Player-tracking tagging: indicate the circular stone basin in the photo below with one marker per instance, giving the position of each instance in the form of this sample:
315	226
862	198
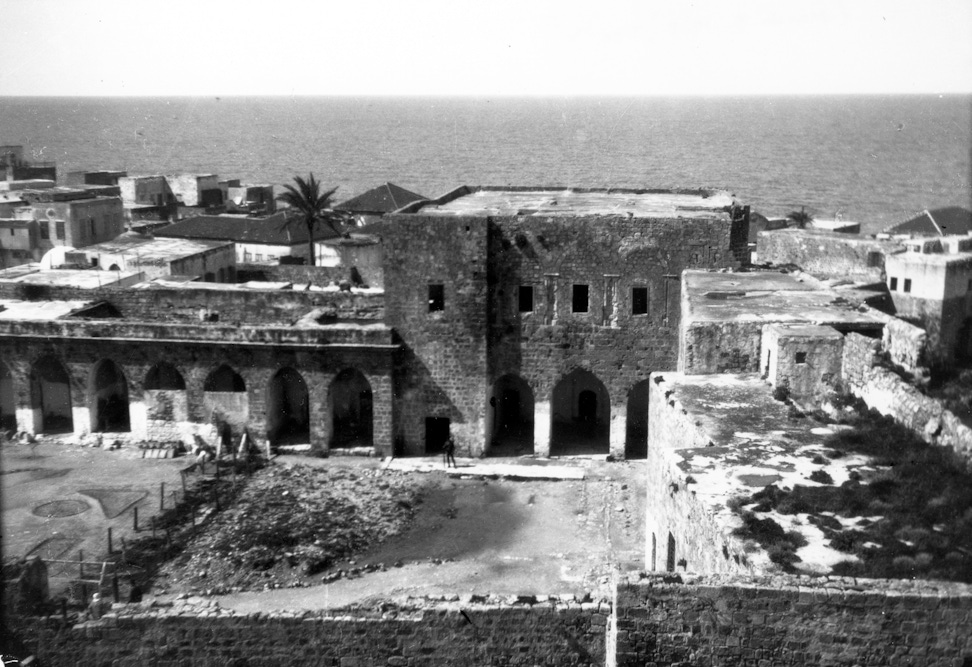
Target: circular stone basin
759	480
57	509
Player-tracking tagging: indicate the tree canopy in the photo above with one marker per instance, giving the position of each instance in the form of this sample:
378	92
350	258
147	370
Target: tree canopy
312	208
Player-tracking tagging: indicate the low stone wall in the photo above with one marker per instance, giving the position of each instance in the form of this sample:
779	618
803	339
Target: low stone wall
889	394
826	254
463	633
905	344
792	621
299	274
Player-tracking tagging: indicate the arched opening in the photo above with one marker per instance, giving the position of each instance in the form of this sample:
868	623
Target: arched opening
114	267
226	402
221	275
580	415
510	412
351	410
165	394
224	380
165	377
108	398
288	414
50	396
636	428
209	277
8	406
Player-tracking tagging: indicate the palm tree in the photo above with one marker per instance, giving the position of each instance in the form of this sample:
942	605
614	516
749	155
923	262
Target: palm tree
801	217
312	208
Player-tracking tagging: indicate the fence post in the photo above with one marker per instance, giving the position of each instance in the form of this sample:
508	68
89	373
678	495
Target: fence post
110	545
135	519
114	585
161	496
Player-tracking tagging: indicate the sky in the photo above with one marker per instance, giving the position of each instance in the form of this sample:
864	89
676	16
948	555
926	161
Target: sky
484	48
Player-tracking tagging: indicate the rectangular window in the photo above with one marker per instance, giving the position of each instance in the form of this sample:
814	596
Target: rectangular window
579	299
907	285
525	299
12	232
639	300
436	298
59	229
894	284
45	231
801	357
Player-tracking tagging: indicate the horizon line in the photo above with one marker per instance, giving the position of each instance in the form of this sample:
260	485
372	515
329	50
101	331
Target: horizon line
484	95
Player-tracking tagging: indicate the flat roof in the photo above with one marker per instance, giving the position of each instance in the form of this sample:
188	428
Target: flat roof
39	310
770	296
550	201
754	442
81	278
151	249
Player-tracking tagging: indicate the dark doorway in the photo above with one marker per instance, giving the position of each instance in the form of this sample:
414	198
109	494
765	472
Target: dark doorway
109	399
670	561
636	426
587	407
580	415
8	407
436	434
511	408
288	415
352	410
50	396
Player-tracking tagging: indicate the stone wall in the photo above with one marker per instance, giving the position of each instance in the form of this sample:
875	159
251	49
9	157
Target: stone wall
905	344
720	347
298	274
458	634
681	532
792	621
886	392
826	254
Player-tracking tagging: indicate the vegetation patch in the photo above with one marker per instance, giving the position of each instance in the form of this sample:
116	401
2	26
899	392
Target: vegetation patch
954	389
922	494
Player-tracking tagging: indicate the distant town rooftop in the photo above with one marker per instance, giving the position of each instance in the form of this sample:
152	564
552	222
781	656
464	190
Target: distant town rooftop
151	249
544	201
39	310
34	274
769	296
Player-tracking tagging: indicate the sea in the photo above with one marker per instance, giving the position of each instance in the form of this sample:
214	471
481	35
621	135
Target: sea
873	159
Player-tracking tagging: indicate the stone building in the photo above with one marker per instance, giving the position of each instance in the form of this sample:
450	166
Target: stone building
931	284
530	318
515	320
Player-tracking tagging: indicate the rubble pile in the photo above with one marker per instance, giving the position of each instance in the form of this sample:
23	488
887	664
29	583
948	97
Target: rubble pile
291	522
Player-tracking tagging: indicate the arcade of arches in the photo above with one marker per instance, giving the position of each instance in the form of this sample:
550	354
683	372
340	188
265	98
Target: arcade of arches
578	417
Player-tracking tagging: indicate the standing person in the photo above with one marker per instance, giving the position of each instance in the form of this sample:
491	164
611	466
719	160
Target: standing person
450	451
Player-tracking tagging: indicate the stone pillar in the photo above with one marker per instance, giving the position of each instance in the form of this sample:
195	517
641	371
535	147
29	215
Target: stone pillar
541	428
381	406
138	419
619	432
28	419
81	415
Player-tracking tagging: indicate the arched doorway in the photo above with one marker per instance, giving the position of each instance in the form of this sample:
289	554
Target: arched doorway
580	415
351	410
226	401
8	405
50	396
108	398
510	412
636	431
288	413
165	394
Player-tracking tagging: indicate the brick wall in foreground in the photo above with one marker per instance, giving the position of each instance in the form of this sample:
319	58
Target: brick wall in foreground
784	621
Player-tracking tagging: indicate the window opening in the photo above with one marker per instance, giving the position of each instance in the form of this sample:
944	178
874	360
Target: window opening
801	357
894	284
639	300
436	298
579	299
525	299
907	285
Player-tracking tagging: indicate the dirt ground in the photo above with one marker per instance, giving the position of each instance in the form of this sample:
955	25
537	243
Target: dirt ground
469	535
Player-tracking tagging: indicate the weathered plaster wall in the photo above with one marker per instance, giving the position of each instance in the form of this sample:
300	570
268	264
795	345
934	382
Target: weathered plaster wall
804	359
720	347
945	321
826	254
682	532
430	634
797	621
